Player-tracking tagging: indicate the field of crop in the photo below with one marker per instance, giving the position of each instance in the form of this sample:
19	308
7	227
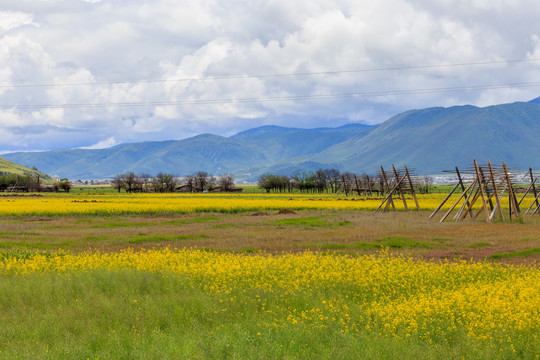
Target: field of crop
108	204
199	276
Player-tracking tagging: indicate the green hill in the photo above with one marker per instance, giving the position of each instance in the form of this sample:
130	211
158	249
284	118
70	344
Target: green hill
10	168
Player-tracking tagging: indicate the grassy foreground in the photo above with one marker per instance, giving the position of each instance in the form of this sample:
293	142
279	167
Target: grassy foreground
91	276
160	304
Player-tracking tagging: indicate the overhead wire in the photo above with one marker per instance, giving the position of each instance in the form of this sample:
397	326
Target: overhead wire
276	98
273	99
229	77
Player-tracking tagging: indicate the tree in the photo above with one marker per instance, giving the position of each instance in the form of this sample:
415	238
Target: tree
226	182
65	185
131	182
265	182
118	182
425	184
164	183
321	181
143	181
304	181
190	182
347	182
270	182
333	177
202	181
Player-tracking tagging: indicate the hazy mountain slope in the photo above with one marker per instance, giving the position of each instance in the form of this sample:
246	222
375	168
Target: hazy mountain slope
279	143
435	139
204	152
259	147
429	140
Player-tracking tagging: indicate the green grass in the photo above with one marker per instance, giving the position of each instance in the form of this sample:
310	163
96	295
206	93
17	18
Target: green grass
141	239
128	314
399	242
119	224
515	254
196	220
308	222
479	245
353	245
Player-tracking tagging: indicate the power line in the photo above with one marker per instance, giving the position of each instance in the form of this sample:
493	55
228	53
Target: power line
273	99
230	77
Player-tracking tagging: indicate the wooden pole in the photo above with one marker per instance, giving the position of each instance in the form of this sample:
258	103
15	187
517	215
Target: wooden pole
534	188
387	187
357	186
482	191
512	199
474	192
527	191
412	189
476	197
400	191
444	201
389	196
462	185
457	201
498	204
530	207
486	186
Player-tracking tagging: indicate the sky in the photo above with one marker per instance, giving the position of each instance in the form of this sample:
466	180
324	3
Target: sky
96	73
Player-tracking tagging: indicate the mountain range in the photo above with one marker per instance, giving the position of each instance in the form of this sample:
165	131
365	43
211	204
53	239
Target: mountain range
429	140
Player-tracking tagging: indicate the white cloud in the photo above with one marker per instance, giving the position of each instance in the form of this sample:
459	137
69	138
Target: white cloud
13	19
103	144
108	47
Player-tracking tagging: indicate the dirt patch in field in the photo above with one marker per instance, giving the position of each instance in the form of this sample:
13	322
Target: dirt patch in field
260	214
21	195
286	212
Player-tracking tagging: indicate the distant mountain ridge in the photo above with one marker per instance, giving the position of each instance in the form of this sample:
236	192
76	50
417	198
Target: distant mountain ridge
429	140
259	147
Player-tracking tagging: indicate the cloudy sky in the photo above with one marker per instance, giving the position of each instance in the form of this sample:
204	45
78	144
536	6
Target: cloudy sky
97	73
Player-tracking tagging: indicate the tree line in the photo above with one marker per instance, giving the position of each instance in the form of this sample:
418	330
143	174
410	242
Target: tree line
332	181
200	181
30	183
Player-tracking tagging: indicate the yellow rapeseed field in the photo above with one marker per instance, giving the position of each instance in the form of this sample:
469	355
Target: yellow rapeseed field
391	295
66	204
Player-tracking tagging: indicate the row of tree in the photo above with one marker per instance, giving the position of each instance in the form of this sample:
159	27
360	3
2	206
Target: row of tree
29	183
333	181
162	183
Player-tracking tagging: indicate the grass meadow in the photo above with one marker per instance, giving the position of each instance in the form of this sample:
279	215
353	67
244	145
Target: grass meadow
109	276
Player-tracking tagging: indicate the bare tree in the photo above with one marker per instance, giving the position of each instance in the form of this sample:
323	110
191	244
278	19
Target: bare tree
426	183
164	183
347	182
190	182
226	182
333	177
321	181
118	182
144	182
131	182
203	181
